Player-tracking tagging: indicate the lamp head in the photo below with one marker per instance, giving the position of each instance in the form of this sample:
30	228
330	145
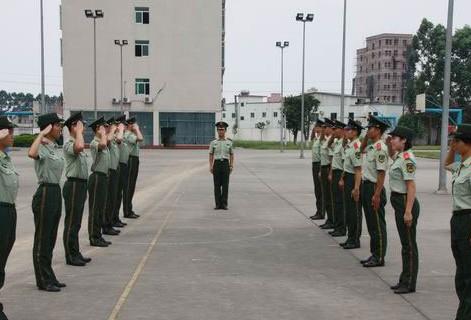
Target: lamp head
300	17
310	17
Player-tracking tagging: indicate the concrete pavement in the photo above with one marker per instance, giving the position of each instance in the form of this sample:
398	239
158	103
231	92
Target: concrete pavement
262	259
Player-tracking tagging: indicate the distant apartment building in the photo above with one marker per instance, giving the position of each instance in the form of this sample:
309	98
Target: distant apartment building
173	64
381	68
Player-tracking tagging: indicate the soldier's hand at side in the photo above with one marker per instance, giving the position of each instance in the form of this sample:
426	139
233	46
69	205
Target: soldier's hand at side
341	184
375	202
231	168
408	219
356	195
330	177
211	169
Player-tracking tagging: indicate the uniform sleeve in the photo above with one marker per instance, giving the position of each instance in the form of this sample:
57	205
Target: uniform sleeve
408	170
43	152
211	147
231	148
381	158
453	167
356	158
131	138
69	149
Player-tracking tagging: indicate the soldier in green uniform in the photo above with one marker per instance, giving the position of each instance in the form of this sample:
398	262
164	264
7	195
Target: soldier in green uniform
221	164
8	193
122	172
133	137
374	200
461	219
326	161
405	204
336	173
316	135
75	189
351	181
98	183
47	201
115	137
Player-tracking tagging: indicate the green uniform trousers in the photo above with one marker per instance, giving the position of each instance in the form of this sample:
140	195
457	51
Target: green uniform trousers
409	251
353	211
461	247
327	194
97	195
316	169
122	186
128	194
75	195
375	220
47	208
7	235
221	173
111	203
338	200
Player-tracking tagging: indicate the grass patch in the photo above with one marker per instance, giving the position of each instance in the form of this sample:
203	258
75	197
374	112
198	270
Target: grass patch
426	147
430	154
264	145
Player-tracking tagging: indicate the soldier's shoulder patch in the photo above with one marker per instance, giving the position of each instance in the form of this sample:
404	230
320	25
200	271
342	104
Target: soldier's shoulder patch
356	145
410	167
381	158
406	155
378	146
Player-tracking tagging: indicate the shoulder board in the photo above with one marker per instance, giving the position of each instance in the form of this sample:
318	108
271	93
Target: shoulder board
378	146
406	155
355	145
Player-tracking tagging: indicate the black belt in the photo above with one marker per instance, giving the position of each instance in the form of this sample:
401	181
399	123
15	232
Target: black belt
100	173
337	170
7	205
398	194
349	173
134	157
113	169
368	182
47	184
326	165
222	160
72	179
461	212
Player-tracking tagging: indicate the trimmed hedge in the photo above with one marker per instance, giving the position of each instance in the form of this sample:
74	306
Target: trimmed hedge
24	140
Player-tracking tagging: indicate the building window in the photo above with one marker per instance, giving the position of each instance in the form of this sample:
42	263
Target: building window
375	114
142	48
380	43
393	98
242	104
223	115
373	47
252	115
395	53
142	15
143	86
264	114
396	42
233	116
333	116
351	115
275	114
242	118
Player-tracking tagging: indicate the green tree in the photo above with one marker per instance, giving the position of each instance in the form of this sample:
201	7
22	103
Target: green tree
292	112
413	122
261	126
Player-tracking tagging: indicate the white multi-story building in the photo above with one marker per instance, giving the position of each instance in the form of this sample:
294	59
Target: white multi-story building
172	66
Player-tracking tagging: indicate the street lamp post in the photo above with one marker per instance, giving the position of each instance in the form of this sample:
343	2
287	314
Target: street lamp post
97	14
446	99
303	18
121	44
43	93
282	46
342	100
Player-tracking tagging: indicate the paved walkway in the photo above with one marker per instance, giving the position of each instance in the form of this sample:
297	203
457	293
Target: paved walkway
262	259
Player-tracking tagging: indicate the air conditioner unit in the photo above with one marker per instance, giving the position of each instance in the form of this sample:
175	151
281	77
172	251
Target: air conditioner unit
115	101
148	100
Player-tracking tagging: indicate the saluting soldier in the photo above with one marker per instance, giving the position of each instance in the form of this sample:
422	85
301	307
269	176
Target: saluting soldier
98	183
336	173
461	219
373	192
133	137
352	184
122	172
326	161
316	135
115	137
75	189
8	192
405	204
221	164
47	201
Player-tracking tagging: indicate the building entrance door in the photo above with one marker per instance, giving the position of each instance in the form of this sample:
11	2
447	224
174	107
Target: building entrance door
168	136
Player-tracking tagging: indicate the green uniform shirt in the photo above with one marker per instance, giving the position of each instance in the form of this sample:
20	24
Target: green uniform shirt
8	179
376	159
221	149
316	150
123	152
101	158
461	184
76	165
325	152
114	155
402	170
337	154
133	144
50	163
352	156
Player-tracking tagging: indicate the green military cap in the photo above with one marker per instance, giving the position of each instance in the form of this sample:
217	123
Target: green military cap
131	120
76	117
121	119
375	122
111	121
463	132
222	124
97	123
354	125
320	123
339	124
47	119
5	123
403	132
329	123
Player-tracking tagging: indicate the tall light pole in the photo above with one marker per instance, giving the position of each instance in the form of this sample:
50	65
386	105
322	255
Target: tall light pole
43	93
282	46
446	99
97	14
303	18
121	44
342	99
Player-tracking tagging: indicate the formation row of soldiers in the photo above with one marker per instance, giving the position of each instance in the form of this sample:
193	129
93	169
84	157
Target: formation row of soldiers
114	171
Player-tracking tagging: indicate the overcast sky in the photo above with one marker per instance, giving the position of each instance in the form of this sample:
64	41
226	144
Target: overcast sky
253	27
